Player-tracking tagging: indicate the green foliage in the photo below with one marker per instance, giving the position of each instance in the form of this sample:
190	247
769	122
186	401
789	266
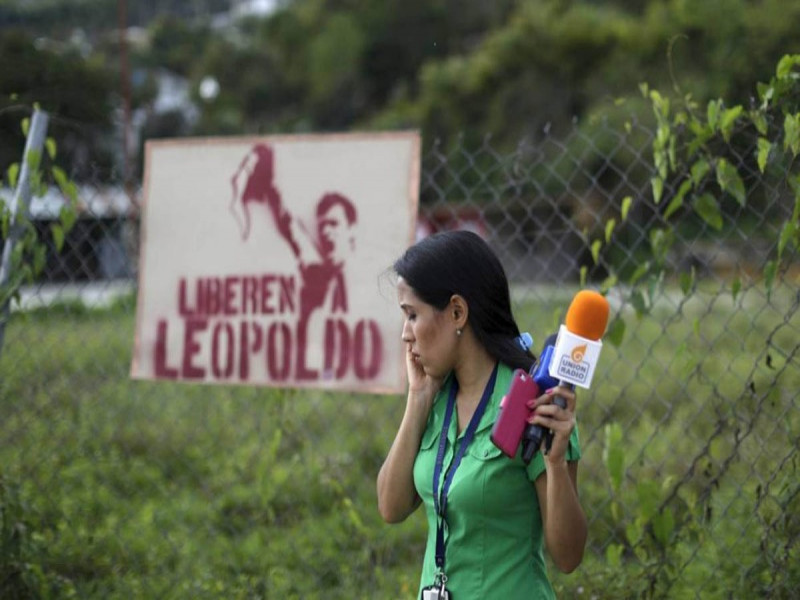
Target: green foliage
64	83
443	68
28	256
688	149
128	488
586	52
673	492
699	157
665	520
173	44
172	490
22	551
137	489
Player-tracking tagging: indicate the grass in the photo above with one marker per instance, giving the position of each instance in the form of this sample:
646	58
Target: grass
131	489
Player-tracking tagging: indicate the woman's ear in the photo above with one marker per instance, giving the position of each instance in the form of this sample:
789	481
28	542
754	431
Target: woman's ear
459	311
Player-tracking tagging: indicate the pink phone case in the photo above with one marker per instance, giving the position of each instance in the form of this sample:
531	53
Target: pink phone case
514	412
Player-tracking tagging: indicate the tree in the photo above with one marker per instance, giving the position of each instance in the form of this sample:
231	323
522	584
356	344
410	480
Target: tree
77	91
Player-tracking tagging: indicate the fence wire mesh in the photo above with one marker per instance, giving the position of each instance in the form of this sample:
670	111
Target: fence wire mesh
112	488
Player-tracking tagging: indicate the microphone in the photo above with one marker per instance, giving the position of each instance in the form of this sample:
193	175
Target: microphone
569	358
578	346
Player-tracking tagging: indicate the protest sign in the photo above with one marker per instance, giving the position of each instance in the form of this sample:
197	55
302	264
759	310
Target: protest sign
261	260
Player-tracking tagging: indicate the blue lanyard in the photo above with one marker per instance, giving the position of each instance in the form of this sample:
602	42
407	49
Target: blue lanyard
440	498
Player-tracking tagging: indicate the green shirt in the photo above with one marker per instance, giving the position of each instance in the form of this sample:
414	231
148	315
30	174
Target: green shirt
494	532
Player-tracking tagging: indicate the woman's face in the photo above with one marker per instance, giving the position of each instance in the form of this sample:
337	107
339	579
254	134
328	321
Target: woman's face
427	331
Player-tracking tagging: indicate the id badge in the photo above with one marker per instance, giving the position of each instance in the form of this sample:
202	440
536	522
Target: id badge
435	592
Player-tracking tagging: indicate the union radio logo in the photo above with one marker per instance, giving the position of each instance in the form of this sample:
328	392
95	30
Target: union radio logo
573	366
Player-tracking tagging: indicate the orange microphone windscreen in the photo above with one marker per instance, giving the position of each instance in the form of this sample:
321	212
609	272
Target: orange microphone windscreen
588	315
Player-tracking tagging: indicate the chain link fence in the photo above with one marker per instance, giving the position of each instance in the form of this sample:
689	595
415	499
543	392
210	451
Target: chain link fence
115	489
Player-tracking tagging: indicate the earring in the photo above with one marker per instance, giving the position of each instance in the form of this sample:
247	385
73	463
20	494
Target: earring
458	332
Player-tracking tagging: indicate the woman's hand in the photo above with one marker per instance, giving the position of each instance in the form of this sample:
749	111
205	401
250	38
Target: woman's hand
561	421
422	387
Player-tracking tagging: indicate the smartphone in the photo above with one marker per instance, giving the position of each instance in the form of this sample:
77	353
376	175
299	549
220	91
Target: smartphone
514	413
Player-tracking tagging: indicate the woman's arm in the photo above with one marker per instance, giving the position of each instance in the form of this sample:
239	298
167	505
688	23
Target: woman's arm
562	515
397	496
563	519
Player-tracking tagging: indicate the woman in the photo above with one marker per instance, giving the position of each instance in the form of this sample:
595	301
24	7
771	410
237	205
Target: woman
462	345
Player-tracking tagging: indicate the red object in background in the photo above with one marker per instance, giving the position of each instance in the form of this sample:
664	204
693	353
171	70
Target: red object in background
451	219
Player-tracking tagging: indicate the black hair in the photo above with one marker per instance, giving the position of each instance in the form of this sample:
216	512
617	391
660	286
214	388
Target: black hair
330	200
461	262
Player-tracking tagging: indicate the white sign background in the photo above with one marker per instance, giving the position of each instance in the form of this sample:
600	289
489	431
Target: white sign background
221	277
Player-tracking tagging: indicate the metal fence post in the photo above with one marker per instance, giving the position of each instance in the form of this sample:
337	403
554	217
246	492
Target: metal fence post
34	143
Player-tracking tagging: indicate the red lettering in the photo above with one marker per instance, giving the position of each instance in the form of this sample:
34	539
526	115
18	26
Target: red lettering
183	309
202	294
266	292
287	294
229	304
191	347
278	365
224	349
245	349
249	291
336	331
236	295
368	360
213	299
161	368
225	370
303	373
